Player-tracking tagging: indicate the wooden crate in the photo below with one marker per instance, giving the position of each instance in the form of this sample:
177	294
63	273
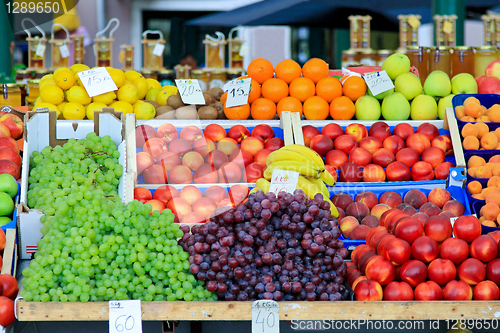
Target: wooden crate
10	253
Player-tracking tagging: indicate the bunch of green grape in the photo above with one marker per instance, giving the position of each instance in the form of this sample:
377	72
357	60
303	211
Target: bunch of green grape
95	248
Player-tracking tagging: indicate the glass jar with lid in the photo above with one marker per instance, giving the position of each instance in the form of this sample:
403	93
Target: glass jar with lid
419	57
483	57
462	60
233	74
202	77
349	58
382	55
368	57
217	79
40	73
166	77
148	74
440	60
10	94
23	76
33	91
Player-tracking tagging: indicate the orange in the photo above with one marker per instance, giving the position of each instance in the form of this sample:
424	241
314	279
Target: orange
223	98
354	87
274	89
315	69
302	88
315	108
263	109
288	70
289	103
240	112
329	88
260	70
342	108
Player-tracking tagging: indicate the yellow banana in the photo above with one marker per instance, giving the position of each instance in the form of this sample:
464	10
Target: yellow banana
263	184
308	152
327	177
268	173
320	185
255	189
309	188
289	155
303	168
333	210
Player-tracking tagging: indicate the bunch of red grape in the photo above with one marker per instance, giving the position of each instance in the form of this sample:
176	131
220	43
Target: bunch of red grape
281	247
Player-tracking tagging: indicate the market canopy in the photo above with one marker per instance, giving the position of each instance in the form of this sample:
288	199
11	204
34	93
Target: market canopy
324	13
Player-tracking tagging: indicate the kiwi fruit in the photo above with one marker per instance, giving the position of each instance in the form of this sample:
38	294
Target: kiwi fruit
175	101
186	112
156	105
208	101
219	106
211	95
164	109
216	92
207	112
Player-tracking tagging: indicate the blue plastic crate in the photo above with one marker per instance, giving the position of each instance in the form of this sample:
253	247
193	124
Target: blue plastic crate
13	223
476	208
486	100
486	154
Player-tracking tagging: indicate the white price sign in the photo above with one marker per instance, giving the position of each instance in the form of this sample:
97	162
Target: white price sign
283	180
158	50
97	81
40	50
265	317
63	49
125	316
190	91
378	82
237	92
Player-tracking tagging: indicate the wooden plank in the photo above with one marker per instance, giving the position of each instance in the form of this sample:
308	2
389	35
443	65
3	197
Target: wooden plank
297	129
455	138
9	253
236	311
286	125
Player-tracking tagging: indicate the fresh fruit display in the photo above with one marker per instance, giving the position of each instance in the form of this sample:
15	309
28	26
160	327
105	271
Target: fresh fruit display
8	293
189	205
473	111
478	136
489	83
477	167
11	130
64	92
206	156
377	155
8	192
283	247
407	259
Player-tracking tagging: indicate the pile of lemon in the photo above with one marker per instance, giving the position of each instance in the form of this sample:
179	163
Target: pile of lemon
64	93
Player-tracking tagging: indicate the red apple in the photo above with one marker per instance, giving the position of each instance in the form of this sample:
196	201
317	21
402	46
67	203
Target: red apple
345	143
443	170
190	193
179	146
238	133
373	173
368	290
180	174
274	144
381	133
486	291
467	228
371	144
206	174
441	271
11	155
214	132
191	133
398	171
429	130
413	272
380	270
428	291
332	131
419	142
155	174
263	132
350	172
336	158
230	172
253	172
144	161
252	145
383	157
309	132
155	147
357	131
4	131
408	156
422	171
7	311
142	194
143	133
398	291
472	271
10	143
425	249
167	132
394	143
322	144
403	130
165	193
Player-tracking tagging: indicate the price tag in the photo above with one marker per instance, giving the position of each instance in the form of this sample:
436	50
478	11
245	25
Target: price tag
158	50
414	22
237	92
97	81
447	27
244	49
63	49
378	82
283	180
40	50
190	91
125	316
265	317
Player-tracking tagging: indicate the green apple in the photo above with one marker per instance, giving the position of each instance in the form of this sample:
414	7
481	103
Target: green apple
437	84
395	106
424	107
8	185
396	64
367	108
6	204
443	104
464	83
409	85
382	94
4	220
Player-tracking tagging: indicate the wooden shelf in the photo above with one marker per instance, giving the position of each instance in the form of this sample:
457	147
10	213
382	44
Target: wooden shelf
238	311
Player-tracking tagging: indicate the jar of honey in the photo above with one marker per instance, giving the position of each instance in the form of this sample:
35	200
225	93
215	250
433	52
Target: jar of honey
419	57
148	74
217	79
202	77
440	60
10	94
462	60
382	55
33	92
23	76
233	74
483	57
349	58
368	58
166	77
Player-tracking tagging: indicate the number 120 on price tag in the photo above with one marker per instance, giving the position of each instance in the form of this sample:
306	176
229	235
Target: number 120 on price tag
125	316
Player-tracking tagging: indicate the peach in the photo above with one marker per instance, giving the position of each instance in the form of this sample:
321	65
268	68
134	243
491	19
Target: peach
373	173
430	209
360	156
368	290
229	172
165	193
180	147
422	217
155	174
408	156
371	221
415	198
444	143
383	157
252	145
457	291
394	144
406	208
439	196
434	156
347	225
455	207
419	142
368	198
156	205
203	146
398	171
253	172
143	133
179	207
336	158
216	158
168	160
216	193
191	133
155	147
357	210
379	209
180	174
144	161
429	130
192	160
190	193
260	157
472	271
371	144
342	200
192	217
359	232
403	130
309	132
227	146
345	143
357	131
205	207
486	291
391	198
214	132
484	248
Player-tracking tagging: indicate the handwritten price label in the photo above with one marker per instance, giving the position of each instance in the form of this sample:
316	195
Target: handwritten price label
237	92
378	82
40	50
125	316
283	180
63	49
265	317
97	81
190	91
158	50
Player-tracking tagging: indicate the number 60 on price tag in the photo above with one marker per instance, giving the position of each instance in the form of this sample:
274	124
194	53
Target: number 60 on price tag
125	316
265	317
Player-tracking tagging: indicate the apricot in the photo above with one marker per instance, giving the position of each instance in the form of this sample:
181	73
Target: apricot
488	223
489	190
489	141
490	211
476	161
494	113
498	220
471	100
493	181
472	171
468	119
497	133
473	110
498	145
483	172
474	187
478	196
460	111
483	129
493	198
470	130
471	143
494	159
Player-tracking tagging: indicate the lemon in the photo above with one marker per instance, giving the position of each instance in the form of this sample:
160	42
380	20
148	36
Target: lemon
172	89
141	85
117	75
121	106
144	111
79	68
47	77
96	106
132	75
73	111
163	95
52	94
61	107
49	106
47	82
38	99
106	98
128	93
64	78
79	95
152	93
152	83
